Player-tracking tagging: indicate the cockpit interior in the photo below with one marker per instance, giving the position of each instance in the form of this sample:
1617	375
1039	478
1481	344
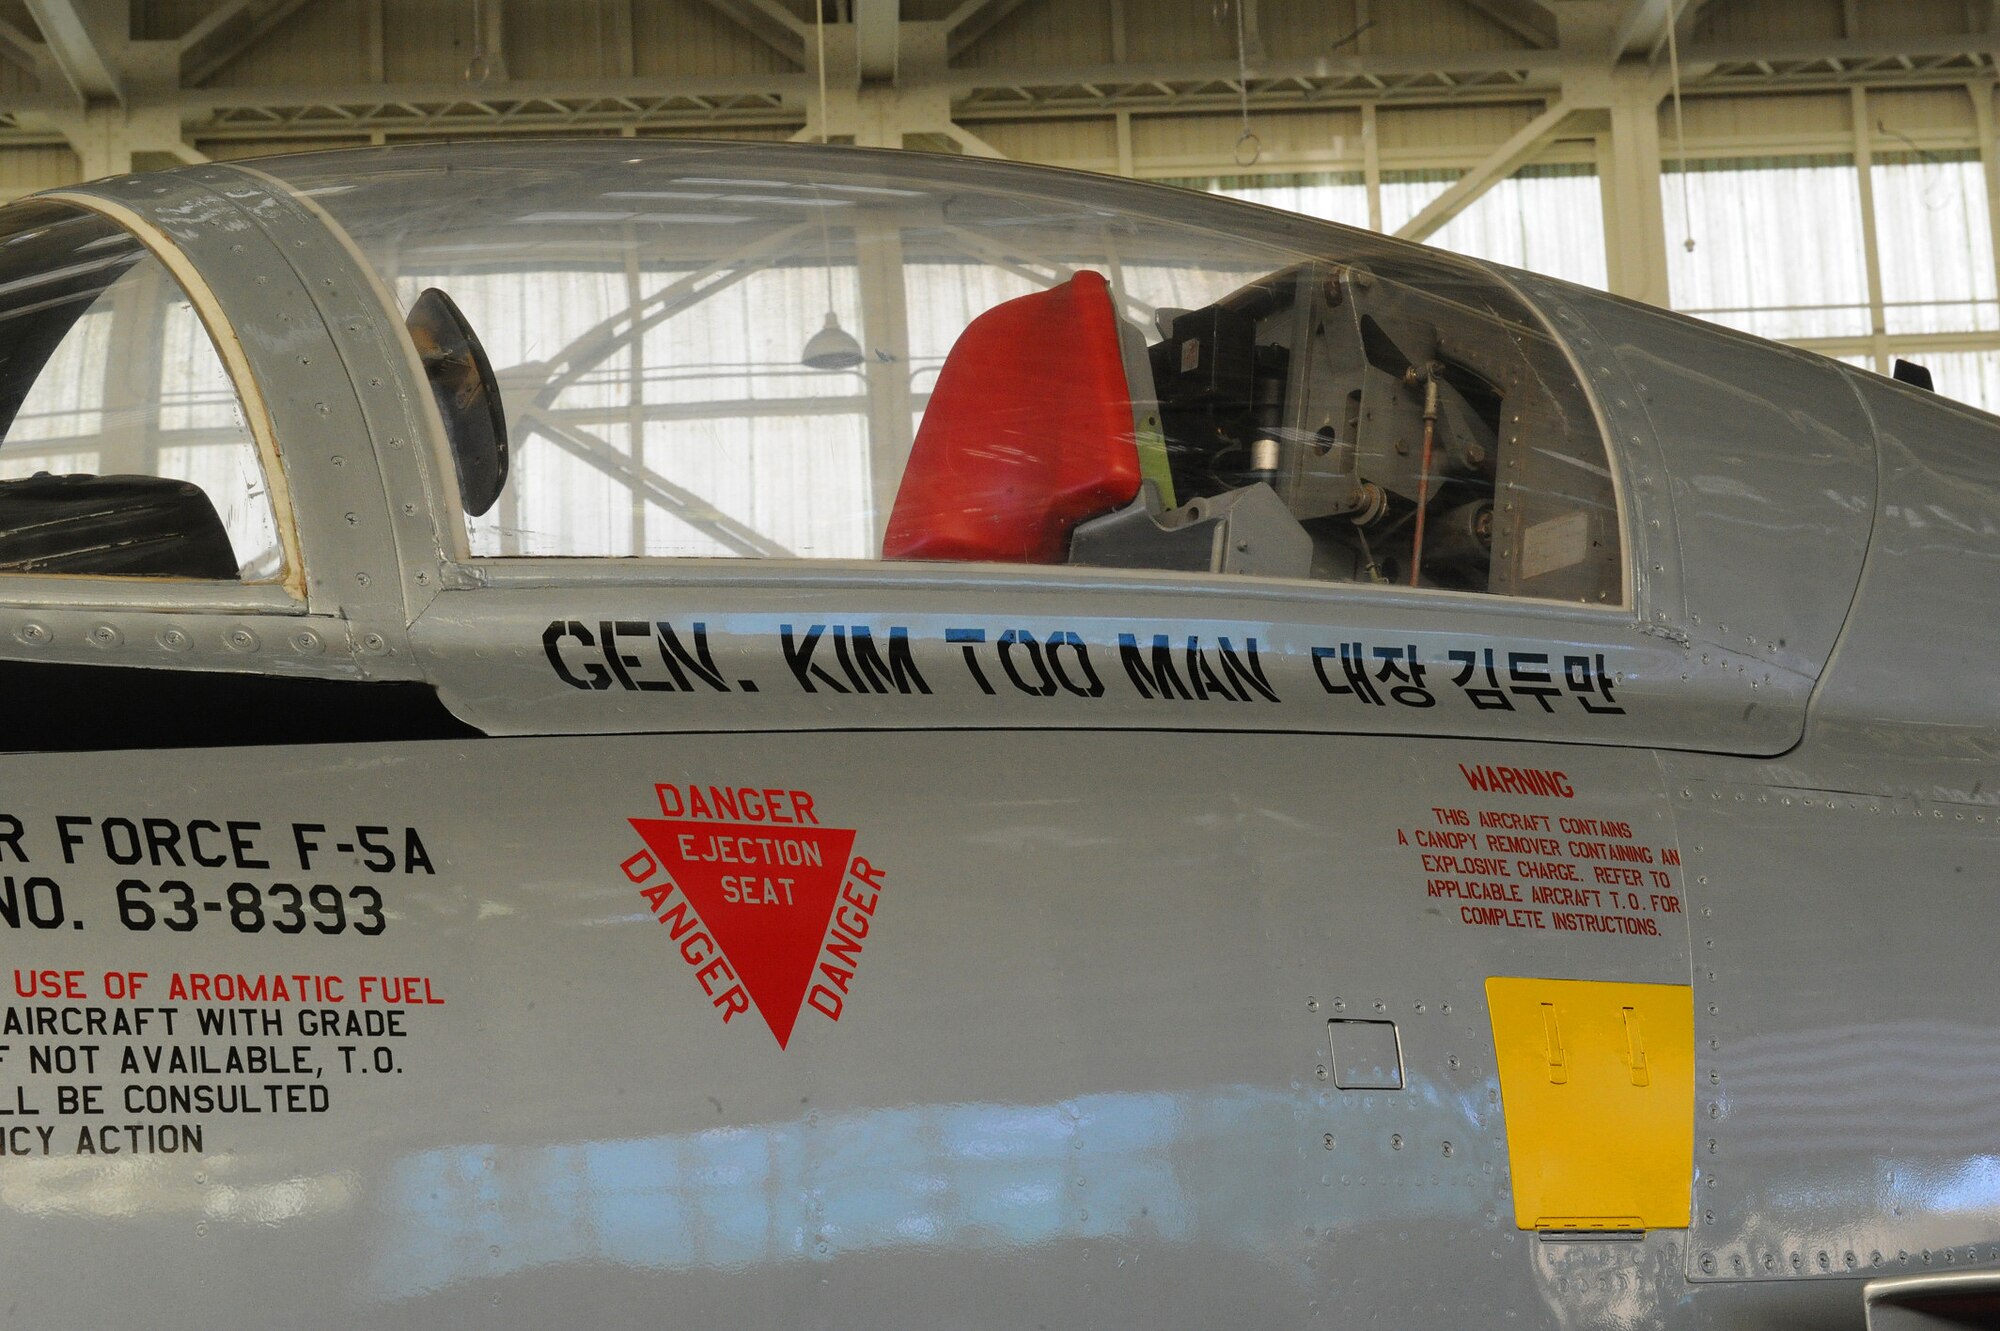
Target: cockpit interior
1052	381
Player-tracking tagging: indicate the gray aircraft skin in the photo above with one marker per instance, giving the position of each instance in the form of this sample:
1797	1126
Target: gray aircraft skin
415	933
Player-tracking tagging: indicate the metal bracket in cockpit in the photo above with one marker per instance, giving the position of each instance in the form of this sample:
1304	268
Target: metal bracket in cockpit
1247	530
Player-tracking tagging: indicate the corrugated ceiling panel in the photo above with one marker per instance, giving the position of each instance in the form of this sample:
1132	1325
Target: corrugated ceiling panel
1167	140
16	80
689	38
1293	29
1760	118
1434	25
566	38
25	170
1917	111
428	41
320	43
738	134
424	40
1449	131
1092	144
223	150
1912	16
1291	139
432	41
1052	32
1735	22
1180	30
160	20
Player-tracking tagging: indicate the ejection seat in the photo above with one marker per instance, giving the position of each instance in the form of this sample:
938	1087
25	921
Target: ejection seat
1033	451
122	526
1028	432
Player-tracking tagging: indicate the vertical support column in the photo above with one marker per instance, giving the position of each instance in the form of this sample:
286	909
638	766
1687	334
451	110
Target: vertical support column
1371	148
1989	157
1371	145
1864	168
130	430
101	137
879	119
105	134
1371	165
375	38
618	14
490	41
885	327
831	111
1607	196
1635	228
635	392
1123	119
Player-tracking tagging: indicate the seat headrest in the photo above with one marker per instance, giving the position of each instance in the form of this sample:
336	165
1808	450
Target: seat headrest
1028	433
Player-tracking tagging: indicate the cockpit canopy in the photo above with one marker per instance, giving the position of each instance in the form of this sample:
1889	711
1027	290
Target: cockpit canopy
804	354
826	355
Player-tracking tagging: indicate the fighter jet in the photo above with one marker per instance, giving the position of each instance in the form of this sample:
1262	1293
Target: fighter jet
626	733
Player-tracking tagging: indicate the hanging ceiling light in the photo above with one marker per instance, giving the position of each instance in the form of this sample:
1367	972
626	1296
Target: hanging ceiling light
832	347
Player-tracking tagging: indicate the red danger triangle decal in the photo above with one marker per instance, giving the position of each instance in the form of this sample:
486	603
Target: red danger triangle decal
765	893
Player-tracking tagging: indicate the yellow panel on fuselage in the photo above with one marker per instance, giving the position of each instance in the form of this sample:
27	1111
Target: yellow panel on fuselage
1597	1079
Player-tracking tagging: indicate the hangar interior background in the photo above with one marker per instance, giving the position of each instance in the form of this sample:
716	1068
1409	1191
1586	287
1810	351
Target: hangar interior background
1819	171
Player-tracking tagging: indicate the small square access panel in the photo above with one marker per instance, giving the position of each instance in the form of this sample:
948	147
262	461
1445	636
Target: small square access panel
1366	1055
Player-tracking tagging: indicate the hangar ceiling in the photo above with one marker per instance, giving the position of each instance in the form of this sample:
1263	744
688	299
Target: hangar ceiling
178	72
1457	95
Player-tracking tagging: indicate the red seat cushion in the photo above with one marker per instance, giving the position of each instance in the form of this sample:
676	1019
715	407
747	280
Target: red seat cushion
1028	432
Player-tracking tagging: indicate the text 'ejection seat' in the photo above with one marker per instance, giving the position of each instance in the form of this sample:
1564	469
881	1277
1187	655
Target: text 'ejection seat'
1028	433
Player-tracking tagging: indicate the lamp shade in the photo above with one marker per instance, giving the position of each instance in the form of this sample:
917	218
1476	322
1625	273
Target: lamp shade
832	348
